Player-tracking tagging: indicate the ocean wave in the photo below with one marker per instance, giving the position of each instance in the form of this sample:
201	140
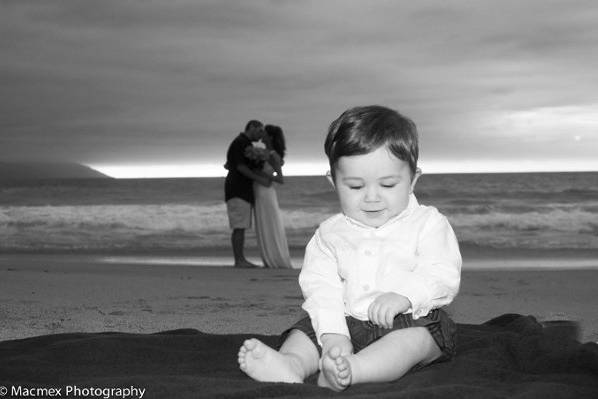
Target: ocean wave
132	226
560	219
492	207
193	225
554	228
142	217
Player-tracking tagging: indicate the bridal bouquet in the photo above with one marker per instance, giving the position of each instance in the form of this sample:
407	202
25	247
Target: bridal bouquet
257	152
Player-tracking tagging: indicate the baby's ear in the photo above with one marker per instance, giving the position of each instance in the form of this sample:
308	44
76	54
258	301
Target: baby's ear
416	175
330	179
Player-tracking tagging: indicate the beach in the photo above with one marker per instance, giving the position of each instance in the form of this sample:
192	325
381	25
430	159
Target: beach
59	293
148	255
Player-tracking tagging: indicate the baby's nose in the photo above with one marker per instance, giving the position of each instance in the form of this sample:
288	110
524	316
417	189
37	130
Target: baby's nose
372	194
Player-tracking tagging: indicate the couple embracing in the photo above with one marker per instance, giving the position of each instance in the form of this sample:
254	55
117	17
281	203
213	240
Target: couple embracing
254	161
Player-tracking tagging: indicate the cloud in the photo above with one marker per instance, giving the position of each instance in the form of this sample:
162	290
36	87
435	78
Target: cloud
160	80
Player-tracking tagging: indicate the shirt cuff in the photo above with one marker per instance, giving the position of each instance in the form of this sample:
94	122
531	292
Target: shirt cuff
329	322
420	298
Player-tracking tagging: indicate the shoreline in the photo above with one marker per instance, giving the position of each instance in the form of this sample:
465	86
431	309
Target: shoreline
474	257
468	251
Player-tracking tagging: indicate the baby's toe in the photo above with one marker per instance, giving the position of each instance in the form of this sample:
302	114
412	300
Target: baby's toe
335	353
249	344
343	372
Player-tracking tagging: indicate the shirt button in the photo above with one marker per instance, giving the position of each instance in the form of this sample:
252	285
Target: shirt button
366	287
368	252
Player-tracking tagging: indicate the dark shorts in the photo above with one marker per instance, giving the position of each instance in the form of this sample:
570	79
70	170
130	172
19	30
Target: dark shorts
442	329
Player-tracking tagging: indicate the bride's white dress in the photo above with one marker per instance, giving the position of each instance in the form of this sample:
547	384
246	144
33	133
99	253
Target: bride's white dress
271	237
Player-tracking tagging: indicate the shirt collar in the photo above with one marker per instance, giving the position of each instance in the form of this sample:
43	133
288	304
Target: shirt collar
411	205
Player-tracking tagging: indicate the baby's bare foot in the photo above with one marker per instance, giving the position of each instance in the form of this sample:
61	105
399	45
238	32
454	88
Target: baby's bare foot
263	363
335	370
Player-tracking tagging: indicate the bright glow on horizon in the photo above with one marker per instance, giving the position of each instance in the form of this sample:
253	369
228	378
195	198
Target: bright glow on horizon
140	171
507	166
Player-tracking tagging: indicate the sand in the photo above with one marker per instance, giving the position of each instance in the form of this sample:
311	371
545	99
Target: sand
59	293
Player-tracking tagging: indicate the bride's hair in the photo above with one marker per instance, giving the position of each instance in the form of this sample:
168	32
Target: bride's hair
277	137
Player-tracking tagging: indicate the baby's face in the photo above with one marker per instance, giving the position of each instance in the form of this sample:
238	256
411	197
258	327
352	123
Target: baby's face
373	188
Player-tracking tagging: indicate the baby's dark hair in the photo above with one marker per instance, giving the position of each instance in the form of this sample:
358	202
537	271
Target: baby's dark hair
277	137
361	130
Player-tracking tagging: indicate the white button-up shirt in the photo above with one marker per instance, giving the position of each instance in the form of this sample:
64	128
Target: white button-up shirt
348	264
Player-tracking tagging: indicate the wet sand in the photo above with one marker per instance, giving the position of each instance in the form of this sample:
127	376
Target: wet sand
59	293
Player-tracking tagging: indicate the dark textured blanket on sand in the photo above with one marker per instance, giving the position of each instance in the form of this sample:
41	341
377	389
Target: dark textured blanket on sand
511	356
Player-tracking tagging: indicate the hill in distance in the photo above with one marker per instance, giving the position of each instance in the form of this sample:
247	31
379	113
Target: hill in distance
47	170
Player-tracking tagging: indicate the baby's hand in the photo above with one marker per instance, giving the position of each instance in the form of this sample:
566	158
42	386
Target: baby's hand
385	307
341	341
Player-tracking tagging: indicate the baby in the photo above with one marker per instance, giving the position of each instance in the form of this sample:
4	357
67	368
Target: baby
376	275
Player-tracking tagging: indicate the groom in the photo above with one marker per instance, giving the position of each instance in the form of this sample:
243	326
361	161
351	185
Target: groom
238	188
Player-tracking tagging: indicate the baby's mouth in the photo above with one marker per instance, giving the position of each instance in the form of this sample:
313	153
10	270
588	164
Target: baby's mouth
374	213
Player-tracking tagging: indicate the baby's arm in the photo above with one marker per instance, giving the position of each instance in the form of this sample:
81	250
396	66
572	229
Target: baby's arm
322	289
435	280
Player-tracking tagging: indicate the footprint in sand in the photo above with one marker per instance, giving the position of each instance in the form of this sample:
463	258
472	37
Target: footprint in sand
117	313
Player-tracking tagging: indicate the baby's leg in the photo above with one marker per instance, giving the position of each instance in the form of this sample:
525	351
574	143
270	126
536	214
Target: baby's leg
391	356
296	360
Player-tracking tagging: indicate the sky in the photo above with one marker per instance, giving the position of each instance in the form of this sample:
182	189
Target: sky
160	88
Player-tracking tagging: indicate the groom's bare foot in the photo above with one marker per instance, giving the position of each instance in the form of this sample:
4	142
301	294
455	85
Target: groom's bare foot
335	370
245	264
263	363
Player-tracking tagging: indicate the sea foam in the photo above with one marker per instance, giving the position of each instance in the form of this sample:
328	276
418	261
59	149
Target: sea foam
536	211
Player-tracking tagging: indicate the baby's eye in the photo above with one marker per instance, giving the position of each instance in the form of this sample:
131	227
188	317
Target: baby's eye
388	185
355	187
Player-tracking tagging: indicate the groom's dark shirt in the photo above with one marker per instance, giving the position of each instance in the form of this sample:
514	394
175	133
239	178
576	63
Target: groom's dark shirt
237	184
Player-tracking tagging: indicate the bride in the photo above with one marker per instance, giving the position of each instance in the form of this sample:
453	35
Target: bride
269	226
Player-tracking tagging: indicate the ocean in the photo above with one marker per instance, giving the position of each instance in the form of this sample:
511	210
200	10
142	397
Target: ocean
530	211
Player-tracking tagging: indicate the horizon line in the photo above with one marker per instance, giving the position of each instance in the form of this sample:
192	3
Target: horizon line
152	171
